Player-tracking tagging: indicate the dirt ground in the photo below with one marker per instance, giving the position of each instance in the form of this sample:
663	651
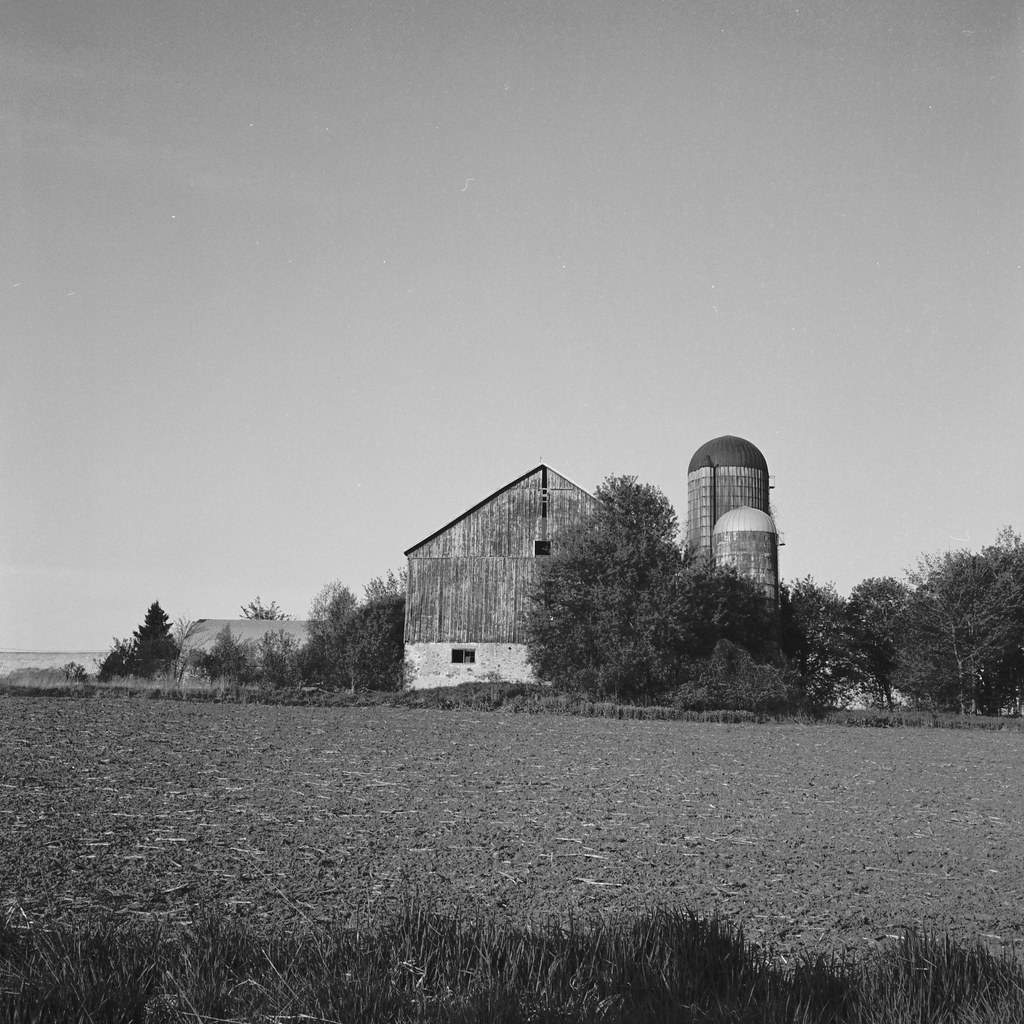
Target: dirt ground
814	838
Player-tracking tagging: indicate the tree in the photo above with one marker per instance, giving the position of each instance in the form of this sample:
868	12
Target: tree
155	649
1003	682
119	661
375	650
184	637
273	660
325	661
963	646
278	660
390	585
229	659
357	645
876	614
258	610
715	604
622	612
816	638
950	632
728	642
150	650
605	619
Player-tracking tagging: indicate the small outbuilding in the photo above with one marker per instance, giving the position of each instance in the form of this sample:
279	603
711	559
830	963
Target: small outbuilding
204	632
471	582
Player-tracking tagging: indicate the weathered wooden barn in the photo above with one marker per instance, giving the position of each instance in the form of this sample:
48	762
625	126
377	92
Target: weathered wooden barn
470	583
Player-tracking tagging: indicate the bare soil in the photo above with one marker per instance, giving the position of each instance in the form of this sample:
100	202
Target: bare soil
816	839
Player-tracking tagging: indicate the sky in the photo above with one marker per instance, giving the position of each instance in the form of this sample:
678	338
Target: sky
285	287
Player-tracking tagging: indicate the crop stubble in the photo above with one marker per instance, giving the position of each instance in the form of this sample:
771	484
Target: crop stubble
814	838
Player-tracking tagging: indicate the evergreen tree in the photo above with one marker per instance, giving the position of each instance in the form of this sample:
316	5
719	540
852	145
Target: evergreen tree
150	649
155	648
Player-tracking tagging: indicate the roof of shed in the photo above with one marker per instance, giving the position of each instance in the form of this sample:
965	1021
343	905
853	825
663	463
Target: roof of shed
205	631
491	497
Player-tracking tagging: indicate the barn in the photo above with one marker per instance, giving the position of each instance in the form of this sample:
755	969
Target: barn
470	582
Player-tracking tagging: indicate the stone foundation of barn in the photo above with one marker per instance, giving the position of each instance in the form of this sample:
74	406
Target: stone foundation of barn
449	664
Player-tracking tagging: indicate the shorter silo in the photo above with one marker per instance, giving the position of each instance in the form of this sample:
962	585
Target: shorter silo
746	539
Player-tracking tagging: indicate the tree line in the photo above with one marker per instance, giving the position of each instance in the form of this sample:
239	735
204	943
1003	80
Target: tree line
947	637
625	612
351	644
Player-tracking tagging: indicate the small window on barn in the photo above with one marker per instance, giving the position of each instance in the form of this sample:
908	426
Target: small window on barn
463	656
542	547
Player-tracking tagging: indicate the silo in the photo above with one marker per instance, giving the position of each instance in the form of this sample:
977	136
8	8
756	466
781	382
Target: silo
745	538
725	473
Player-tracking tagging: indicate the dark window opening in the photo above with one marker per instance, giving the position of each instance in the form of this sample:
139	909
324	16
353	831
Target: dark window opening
542	547
463	656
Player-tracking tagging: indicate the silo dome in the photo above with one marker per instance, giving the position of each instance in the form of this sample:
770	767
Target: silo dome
745	520
746	539
728	450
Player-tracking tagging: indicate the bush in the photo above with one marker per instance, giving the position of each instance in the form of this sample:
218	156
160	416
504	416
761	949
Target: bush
357	645
731	680
229	659
118	663
278	661
376	644
273	661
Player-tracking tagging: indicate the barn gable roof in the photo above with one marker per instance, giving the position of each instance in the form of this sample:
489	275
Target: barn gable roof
490	497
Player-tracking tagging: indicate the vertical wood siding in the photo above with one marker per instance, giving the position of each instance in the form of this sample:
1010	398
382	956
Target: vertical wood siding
473	581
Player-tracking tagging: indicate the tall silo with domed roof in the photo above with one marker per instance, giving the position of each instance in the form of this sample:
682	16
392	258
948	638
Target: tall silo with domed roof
725	473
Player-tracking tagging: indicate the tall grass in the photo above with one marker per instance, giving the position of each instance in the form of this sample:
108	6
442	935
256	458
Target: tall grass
425	967
53	683
521	698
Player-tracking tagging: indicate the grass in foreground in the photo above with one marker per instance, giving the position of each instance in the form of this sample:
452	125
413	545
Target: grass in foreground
426	967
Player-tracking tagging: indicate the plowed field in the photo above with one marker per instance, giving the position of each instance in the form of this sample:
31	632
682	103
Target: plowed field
814	838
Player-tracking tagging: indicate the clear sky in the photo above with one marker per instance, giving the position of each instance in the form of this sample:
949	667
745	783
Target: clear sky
285	287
